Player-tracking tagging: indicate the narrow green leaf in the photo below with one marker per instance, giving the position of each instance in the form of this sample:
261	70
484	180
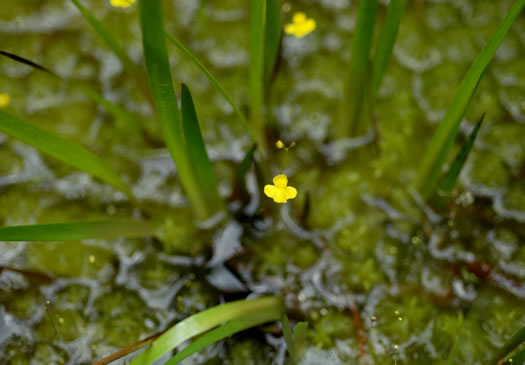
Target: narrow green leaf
516	359
515	341
27	62
358	72
272	39
385	44
288	336
205	321
451	177
299	333
230	328
61	149
117	111
198	156
161	85
442	140
245	163
257	32
73	231
214	81
106	36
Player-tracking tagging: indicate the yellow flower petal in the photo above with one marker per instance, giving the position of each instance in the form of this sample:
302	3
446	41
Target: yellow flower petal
5	99
270	191
291	192
122	3
280	181
300	25
279	144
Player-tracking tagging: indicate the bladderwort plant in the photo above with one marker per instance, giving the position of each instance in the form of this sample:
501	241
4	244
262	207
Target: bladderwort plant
183	138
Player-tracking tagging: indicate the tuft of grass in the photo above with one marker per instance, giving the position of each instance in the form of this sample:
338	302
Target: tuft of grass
294	340
161	85
215	82
61	149
451	177
257	42
206	320
74	231
358	72
228	329
442	140
385	44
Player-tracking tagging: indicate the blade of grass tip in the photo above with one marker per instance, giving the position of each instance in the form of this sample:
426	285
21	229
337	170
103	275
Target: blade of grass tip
443	138
161	85
245	163
27	62
214	81
203	322
358	72
516	340
257	26
61	149
272	39
230	328
288	336
112	108
196	150
385	44
73	231
451	177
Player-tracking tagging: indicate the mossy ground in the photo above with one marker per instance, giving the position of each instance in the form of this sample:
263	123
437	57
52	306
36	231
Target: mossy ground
426	290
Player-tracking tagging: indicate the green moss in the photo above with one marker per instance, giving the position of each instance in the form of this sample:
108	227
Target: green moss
50	354
69	324
330	327
249	352
11	163
487	171
194	297
70	259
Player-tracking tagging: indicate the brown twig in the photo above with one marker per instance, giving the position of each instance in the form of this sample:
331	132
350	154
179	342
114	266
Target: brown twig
128	350
361	339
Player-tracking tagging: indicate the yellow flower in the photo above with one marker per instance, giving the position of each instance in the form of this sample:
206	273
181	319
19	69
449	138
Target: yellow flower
4	100
122	3
279	144
300	26
279	191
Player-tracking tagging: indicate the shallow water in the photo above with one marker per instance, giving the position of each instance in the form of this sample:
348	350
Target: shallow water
427	284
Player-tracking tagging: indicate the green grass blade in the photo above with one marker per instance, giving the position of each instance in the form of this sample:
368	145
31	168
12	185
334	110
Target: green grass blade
272	39
516	340
385	44
106	36
230	328
117	111
257	32
443	138
358	72
27	62
196	150
73	231
205	321
214	81
61	149
161	85
518	358
451	177
288	337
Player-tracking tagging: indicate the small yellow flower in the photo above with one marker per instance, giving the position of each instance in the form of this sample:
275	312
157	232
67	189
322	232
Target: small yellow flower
279	144
300	25
279	191
122	3
4	100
